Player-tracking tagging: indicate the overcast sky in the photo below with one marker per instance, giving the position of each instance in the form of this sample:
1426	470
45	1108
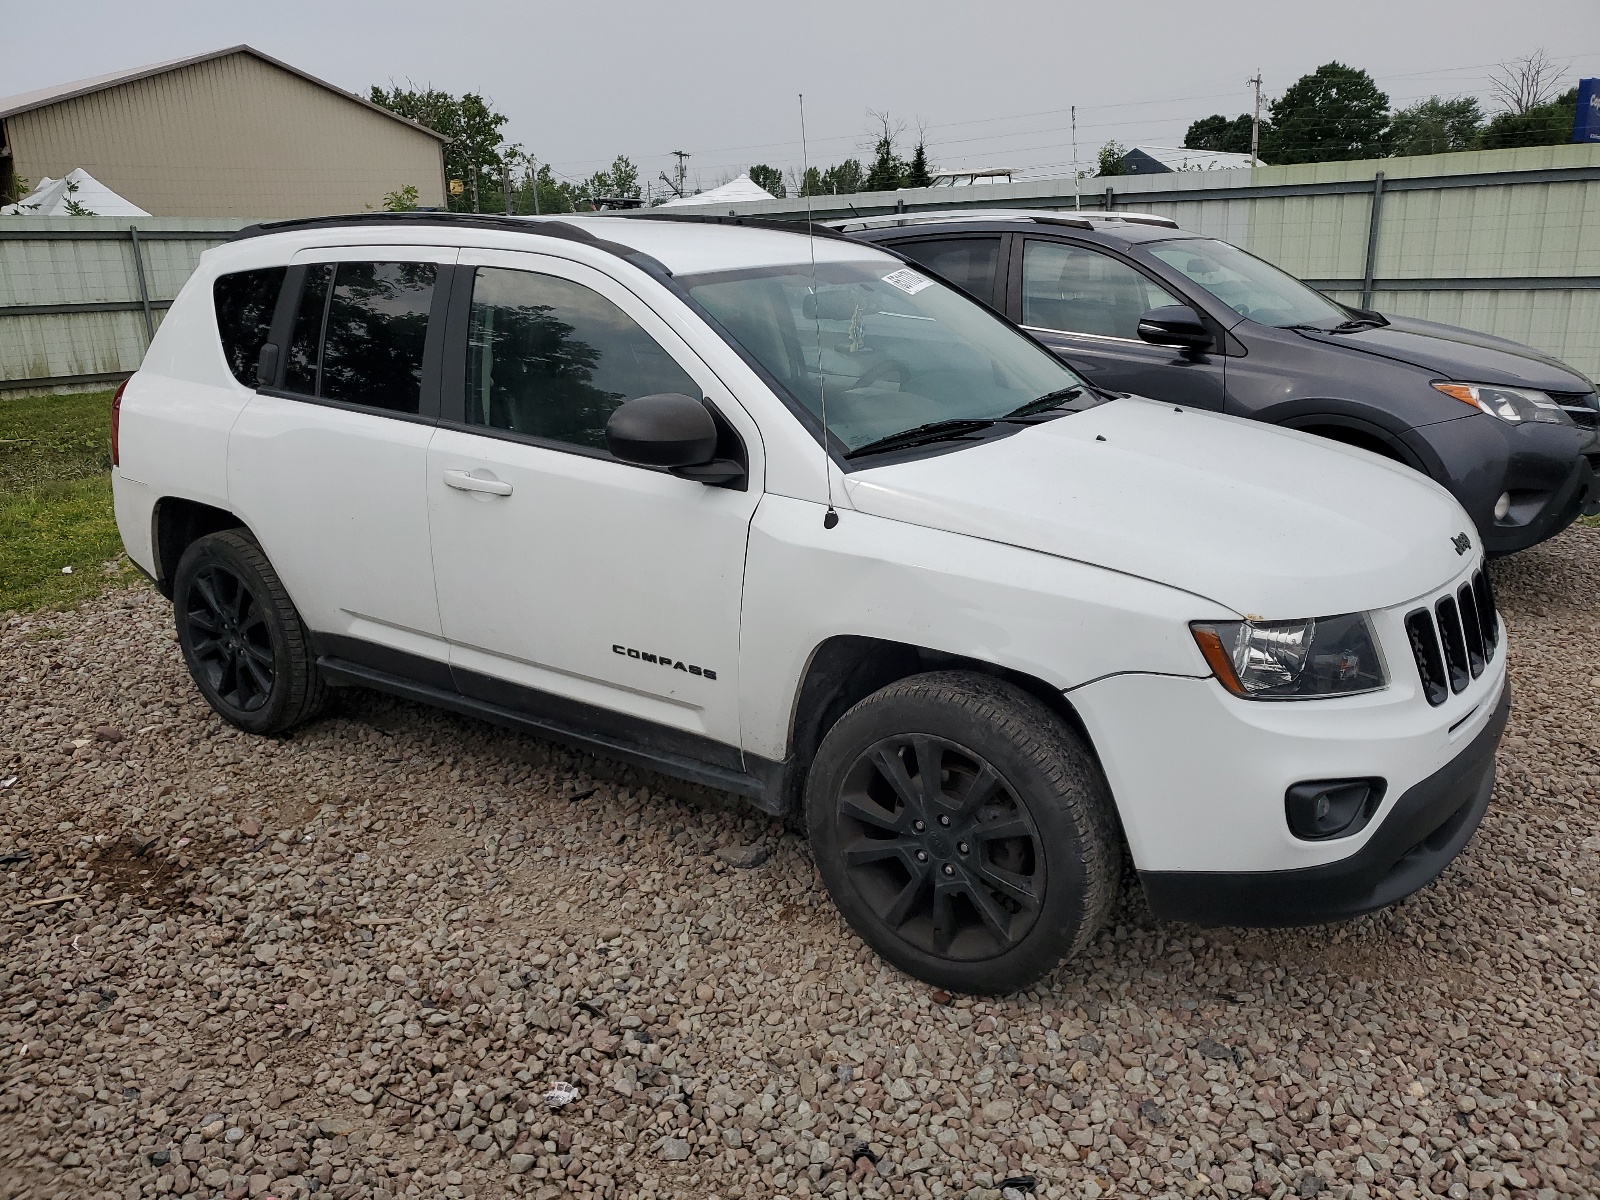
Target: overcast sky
992	83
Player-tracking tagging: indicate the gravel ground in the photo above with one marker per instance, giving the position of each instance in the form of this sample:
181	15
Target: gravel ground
360	962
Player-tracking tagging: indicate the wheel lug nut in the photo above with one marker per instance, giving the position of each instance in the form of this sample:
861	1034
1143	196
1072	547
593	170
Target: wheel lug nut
922	856
949	870
919	826
963	847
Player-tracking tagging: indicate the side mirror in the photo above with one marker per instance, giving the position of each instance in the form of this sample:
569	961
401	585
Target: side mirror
667	430
267	366
1175	325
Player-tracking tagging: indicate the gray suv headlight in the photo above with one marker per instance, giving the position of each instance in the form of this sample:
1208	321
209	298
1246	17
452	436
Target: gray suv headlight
1513	405
1293	660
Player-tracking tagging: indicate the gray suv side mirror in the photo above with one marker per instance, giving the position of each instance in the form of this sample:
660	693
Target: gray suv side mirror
670	430
1175	325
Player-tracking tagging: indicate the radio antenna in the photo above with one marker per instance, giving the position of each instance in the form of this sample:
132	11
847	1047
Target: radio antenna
830	518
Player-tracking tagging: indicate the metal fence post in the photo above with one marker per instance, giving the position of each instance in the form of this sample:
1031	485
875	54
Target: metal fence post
1109	200
144	289
1372	240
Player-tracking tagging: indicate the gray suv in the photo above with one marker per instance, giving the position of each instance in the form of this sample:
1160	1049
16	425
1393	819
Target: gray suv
1139	305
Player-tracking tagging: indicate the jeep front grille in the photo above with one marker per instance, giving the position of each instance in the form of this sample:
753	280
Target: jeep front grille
1454	641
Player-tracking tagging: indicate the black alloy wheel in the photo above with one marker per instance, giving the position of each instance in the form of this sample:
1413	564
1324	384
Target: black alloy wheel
940	848
965	831
232	643
242	638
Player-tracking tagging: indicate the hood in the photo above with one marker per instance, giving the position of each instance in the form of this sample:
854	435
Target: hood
1460	354
1265	521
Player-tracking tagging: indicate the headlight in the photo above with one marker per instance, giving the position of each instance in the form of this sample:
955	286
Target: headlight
1515	405
1293	660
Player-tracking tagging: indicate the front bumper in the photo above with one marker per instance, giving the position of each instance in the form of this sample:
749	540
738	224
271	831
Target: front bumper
1543	515
1425	829
1545	469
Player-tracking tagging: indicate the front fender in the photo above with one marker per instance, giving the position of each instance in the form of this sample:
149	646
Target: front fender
1062	622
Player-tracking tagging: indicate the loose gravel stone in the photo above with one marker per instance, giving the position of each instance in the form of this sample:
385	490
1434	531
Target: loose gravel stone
371	949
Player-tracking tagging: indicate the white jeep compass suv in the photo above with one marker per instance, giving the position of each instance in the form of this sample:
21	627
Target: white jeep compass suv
784	516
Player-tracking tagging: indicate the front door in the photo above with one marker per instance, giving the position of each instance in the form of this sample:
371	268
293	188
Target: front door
1085	305
326	467
567	579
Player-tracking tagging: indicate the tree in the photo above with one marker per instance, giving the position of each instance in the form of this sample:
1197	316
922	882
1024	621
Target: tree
1110	159
473	153
843	179
1334	113
1436	126
888	169
621	181
401	199
1218	133
1543	125
1526	83
769	178
917	173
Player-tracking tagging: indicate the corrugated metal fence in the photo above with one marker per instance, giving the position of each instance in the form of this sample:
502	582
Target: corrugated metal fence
80	297
1504	241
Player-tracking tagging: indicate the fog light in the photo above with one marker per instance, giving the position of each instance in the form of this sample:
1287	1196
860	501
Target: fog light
1502	506
1329	808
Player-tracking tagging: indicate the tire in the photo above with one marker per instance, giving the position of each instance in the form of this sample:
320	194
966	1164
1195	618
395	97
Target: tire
242	638
1017	860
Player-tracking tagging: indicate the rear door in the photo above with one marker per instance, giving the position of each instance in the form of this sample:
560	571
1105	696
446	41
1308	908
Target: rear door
1085	305
327	467
970	261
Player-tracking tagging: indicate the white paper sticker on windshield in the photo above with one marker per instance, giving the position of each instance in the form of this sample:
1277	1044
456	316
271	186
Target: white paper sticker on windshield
908	281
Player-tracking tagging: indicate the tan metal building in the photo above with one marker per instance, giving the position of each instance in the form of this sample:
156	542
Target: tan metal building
234	133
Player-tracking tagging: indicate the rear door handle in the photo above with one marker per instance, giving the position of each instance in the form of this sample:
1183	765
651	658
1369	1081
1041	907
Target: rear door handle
463	482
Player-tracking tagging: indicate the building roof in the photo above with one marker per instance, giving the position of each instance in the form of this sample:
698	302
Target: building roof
1177	158
11	106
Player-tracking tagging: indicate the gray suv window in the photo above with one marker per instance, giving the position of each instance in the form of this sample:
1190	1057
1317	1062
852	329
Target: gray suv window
967	262
1077	290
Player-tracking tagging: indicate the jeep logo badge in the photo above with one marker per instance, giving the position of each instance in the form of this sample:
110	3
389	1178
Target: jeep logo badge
1461	542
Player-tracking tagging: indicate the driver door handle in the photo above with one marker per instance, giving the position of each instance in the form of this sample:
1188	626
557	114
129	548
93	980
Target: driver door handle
464	482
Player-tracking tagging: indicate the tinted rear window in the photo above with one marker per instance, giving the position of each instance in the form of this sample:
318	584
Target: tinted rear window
362	342
245	301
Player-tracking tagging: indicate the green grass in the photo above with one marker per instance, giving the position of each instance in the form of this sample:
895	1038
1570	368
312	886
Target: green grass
55	502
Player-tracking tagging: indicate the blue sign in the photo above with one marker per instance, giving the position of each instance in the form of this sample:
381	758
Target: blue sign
1586	123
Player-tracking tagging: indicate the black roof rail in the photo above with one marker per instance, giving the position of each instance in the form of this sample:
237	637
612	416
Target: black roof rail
537	227
781	224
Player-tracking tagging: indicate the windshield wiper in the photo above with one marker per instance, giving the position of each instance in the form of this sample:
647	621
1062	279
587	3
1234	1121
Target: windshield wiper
933	431
1045	402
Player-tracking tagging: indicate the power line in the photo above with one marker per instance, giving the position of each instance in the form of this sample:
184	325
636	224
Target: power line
862	139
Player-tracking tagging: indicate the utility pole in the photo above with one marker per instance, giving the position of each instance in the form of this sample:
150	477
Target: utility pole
475	207
505	184
1075	203
533	170
683	168
1255	123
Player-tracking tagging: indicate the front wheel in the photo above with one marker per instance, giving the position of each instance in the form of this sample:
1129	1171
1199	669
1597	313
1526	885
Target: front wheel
964	831
242	638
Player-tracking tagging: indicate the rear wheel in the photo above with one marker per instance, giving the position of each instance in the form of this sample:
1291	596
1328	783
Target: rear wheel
242	639
964	831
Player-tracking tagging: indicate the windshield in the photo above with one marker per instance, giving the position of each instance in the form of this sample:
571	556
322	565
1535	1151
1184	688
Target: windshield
895	349
1249	286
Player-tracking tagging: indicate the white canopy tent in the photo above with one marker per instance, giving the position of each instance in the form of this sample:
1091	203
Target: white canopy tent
742	188
57	198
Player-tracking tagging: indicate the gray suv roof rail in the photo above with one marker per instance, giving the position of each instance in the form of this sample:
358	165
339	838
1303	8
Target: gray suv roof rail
1075	218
